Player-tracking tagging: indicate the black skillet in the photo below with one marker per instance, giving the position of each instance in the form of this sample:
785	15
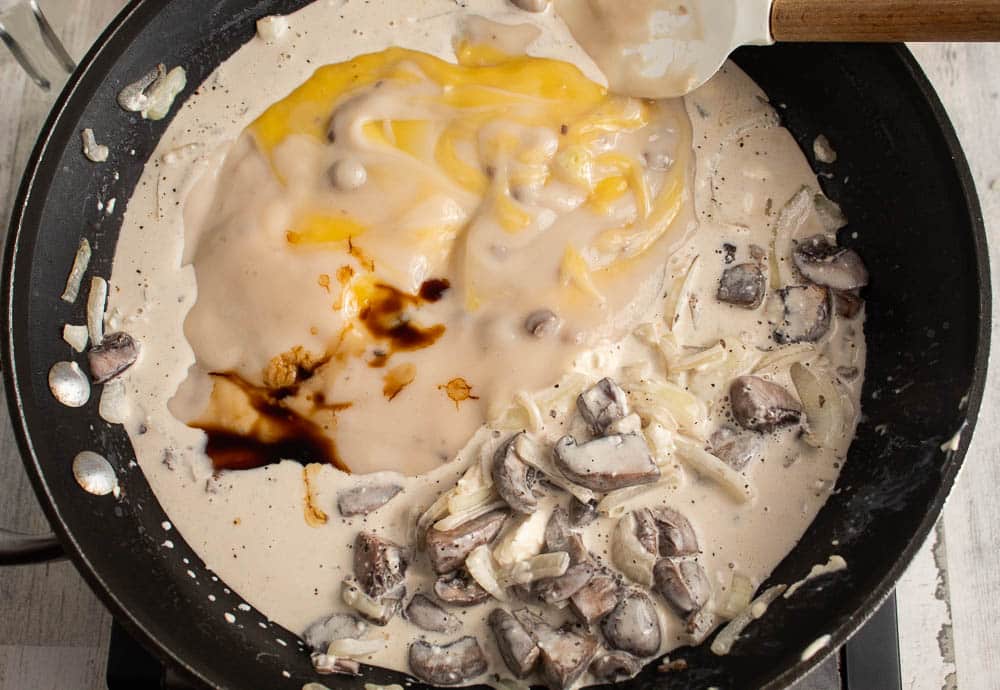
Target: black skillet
900	176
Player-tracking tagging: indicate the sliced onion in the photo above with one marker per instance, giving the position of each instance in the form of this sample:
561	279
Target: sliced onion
677	297
703	359
663	401
80	263
357	599
353	649
96	300
785	356
525	538
540	567
614	504
480	565
114	405
459	519
738	598
724	641
76	337
629	555
529	452
790	218
707	465
821	402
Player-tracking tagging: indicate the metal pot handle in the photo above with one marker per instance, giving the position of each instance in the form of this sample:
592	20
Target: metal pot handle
20	549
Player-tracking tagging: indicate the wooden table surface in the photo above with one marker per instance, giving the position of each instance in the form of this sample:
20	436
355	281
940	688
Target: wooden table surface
54	632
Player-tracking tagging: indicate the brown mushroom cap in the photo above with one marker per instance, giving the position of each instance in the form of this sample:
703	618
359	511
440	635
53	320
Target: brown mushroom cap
514	479
735	448
806	316
742	285
516	645
459	589
448	549
424	613
451	664
607	463
565	655
602	404
684	584
362	500
824	263
379	566
595	599
761	405
112	356
615	666
676	535
634	625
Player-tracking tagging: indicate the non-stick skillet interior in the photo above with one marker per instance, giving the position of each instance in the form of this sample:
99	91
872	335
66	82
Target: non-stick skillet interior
899	176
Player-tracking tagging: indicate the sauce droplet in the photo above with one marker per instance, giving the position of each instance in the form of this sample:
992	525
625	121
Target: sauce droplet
458	390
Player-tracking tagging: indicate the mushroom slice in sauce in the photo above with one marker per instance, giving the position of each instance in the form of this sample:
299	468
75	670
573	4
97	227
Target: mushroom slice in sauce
607	463
516	645
602	404
450	664
615	667
448	550
561	588
676	536
742	285
847	304
565	654
806	316
514	479
735	448
761	405
541	323
582	514
531	5
324	664
824	263
380	566
683	584
116	353
647	531
427	615
365	499
339	626
634	626
459	589
595	599
559	536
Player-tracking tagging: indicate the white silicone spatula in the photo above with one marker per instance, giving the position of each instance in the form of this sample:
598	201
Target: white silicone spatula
667	48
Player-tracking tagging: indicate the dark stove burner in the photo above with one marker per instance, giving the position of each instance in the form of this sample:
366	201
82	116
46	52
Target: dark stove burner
869	661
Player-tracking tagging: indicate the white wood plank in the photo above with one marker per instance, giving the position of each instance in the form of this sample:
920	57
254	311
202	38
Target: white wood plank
968	81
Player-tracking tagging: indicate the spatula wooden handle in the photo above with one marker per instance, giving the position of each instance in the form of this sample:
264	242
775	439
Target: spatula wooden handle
885	20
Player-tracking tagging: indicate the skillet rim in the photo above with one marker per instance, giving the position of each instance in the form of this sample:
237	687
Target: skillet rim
131	21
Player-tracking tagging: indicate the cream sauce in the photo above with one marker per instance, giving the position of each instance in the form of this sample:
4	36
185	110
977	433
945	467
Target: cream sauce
273	534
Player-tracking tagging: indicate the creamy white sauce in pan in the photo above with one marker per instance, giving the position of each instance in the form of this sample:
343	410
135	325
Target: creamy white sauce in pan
212	276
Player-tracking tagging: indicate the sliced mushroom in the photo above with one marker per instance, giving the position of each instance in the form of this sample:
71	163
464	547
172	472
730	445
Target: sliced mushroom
565	655
683	584
824	263
365	499
647	531
541	323
633	626
615	667
607	463
324	664
806	316
595	599
427	615
380	566
847	304
339	626
116	353
559	536
735	448
447	549
742	285
561	588
516	645
582	514
514	479
459	589
676	535
450	664
601	404
761	405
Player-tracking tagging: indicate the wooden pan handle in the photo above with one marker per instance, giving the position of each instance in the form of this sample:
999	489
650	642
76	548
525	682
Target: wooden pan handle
885	20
